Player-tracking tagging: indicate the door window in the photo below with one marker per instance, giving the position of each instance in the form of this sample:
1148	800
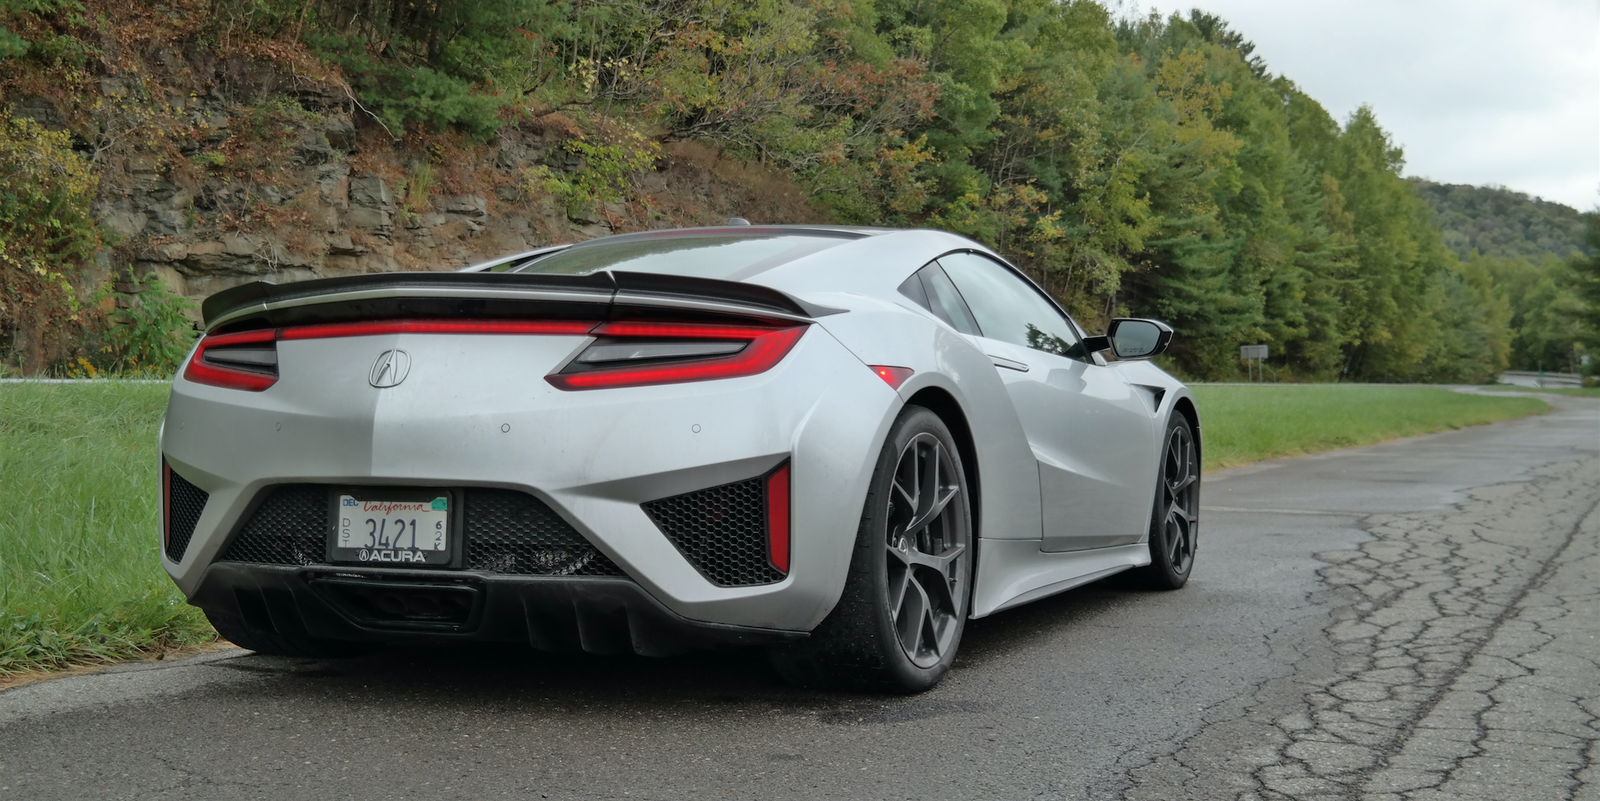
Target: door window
1006	307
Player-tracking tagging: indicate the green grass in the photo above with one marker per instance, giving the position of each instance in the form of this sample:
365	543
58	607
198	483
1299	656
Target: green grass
1588	392
1249	424
80	570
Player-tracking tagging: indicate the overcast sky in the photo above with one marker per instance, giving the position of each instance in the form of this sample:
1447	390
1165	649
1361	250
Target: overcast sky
1476	91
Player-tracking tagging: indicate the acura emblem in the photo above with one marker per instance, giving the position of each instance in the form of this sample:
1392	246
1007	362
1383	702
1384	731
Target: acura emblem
390	368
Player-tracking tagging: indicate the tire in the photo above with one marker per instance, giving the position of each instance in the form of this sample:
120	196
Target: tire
1175	518
900	618
271	643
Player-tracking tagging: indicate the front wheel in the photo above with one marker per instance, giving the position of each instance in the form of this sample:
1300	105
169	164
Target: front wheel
1175	520
899	621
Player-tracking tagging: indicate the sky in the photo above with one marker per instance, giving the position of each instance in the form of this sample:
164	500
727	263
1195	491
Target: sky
1503	92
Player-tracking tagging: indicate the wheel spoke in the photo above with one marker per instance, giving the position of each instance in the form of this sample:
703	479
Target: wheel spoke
940	563
936	508
910	499
912	611
928	491
930	630
897	591
1185	483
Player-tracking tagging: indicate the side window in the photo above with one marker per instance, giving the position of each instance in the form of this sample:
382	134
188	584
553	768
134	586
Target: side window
931	289
946	300
1006	306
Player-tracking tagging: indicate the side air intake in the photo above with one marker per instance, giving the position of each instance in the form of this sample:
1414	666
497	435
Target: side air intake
737	534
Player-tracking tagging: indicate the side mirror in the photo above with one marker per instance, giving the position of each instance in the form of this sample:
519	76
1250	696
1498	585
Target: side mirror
1132	338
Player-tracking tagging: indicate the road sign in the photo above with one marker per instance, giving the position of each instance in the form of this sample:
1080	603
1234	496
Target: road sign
1253	352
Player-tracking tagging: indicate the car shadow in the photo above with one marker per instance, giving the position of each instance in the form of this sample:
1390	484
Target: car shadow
474	673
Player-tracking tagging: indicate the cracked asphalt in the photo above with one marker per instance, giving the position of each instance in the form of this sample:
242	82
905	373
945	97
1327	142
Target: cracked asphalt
1414	620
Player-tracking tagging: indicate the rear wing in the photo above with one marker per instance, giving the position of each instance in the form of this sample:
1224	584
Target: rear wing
602	295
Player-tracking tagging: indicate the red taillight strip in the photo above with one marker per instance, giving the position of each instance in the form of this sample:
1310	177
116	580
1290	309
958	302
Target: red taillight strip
778	518
166	504
200	372
380	327
767	347
683	330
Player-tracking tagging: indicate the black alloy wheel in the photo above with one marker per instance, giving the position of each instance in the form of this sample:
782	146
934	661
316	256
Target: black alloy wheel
1175	520
926	551
899	621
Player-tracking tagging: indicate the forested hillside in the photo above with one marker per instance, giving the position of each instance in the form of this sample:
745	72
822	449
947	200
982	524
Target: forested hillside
1527	246
1498	222
1148	166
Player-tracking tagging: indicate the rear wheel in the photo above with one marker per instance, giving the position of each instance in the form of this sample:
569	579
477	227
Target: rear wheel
272	643
899	621
1175	521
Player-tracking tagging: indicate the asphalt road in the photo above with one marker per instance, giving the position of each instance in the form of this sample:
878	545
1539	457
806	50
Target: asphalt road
1415	620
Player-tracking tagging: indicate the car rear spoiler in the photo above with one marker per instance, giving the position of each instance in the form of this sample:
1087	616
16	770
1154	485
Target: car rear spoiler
597	296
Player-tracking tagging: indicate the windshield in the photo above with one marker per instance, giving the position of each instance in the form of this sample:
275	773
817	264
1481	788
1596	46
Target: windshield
712	256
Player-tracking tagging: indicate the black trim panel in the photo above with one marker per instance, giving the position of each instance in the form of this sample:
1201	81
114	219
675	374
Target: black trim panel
597	615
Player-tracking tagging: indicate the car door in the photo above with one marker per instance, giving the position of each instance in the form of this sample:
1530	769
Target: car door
1092	432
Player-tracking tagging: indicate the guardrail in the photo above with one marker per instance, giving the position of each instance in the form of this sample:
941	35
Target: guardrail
1540	380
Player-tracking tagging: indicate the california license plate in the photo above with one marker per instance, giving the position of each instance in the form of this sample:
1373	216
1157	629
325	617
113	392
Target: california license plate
388	530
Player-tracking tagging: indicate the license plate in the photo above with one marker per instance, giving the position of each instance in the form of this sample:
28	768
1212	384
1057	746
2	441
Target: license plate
389	531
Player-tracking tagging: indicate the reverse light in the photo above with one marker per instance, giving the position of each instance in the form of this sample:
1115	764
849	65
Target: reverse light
893	376
632	354
778	518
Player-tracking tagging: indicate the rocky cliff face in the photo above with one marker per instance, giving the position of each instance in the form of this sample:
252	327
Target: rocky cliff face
217	172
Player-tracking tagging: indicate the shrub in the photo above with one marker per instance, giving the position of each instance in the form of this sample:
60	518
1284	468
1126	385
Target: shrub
152	334
46	234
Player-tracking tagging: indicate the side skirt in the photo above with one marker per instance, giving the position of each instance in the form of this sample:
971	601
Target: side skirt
1014	572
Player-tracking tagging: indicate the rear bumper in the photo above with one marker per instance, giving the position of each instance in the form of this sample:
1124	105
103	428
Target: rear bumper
476	412
596	615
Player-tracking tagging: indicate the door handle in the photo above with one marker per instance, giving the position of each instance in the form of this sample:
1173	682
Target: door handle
1009	364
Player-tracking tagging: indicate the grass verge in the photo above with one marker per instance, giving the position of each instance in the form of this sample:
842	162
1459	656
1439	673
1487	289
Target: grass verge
80	569
1249	424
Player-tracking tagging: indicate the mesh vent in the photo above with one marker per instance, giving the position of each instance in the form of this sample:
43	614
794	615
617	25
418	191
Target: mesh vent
506	532
289	528
514	532
722	531
185	502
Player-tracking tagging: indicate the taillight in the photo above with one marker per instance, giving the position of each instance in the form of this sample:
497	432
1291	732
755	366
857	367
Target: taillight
247	361
632	354
624	354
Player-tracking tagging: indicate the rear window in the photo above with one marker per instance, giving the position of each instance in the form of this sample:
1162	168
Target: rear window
714	256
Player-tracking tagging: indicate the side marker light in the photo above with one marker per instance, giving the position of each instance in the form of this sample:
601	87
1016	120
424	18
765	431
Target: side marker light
893	376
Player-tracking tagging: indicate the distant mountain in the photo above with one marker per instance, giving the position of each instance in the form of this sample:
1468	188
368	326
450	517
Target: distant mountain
1496	221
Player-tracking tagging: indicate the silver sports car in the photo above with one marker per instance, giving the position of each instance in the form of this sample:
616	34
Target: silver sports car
837	443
